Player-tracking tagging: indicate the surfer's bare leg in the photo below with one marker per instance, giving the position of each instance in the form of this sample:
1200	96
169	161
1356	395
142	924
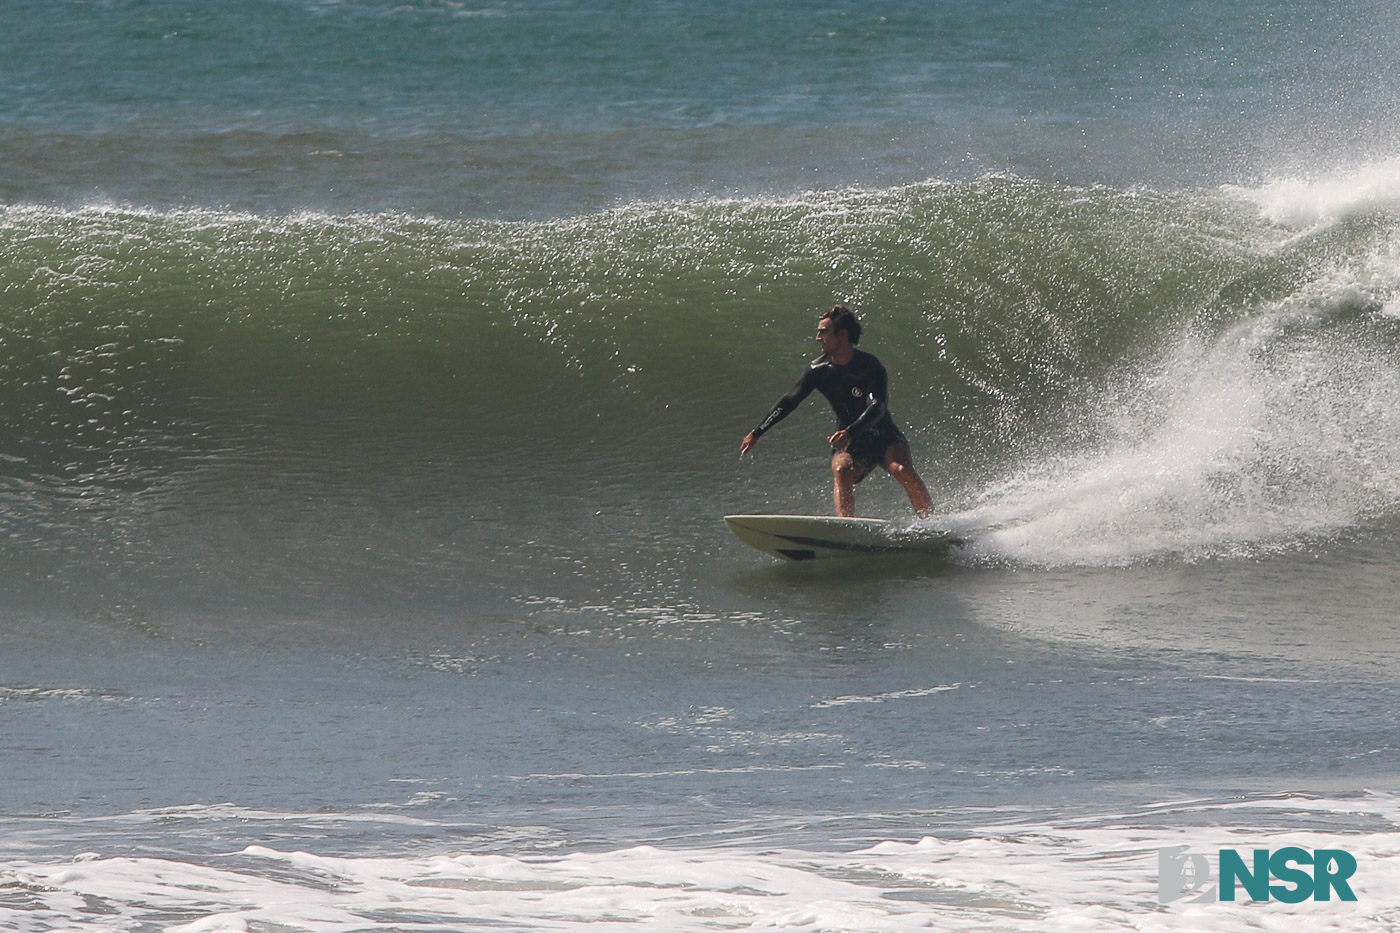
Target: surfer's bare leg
845	473
899	461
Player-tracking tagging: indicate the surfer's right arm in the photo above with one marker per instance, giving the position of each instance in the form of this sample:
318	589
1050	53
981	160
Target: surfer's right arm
784	406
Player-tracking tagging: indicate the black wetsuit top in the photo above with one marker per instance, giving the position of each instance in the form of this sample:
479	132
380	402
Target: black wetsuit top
858	392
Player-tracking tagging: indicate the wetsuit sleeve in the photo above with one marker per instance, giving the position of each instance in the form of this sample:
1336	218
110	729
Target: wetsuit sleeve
787	403
875	396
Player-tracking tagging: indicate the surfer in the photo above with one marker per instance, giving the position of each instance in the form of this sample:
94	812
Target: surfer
855	384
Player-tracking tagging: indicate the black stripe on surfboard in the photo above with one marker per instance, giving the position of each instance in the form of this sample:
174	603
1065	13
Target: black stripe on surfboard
834	545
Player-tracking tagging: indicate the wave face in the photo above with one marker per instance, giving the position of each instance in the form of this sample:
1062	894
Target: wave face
1088	375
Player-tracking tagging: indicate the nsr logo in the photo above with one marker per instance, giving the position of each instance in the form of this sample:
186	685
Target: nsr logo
1182	875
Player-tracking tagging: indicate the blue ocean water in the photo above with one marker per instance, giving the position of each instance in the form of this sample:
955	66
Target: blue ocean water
535	109
372	378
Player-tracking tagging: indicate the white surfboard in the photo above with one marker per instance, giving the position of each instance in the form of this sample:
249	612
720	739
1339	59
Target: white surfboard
811	537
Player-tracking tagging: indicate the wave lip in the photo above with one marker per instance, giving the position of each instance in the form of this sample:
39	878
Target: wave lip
1301	202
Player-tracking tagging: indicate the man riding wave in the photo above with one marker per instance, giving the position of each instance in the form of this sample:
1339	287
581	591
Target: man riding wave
856	385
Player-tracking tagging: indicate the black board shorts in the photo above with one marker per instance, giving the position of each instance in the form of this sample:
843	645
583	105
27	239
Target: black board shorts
868	451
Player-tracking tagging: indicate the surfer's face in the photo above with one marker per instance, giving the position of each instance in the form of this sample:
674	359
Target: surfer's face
828	336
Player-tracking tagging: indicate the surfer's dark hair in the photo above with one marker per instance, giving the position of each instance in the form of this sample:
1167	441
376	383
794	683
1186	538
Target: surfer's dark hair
843	318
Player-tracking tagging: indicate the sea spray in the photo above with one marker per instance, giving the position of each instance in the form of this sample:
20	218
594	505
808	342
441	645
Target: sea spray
1269	422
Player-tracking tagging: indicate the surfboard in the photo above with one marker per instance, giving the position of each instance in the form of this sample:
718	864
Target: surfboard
813	537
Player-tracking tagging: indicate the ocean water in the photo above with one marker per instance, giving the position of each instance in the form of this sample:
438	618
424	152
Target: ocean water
372	376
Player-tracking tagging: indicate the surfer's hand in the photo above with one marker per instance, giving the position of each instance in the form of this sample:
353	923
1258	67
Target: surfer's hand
840	440
749	441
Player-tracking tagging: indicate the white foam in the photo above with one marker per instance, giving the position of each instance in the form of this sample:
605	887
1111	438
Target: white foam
1084	875
1301	202
849	699
1283	429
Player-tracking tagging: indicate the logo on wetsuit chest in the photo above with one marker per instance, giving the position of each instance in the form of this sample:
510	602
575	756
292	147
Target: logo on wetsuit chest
855	391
